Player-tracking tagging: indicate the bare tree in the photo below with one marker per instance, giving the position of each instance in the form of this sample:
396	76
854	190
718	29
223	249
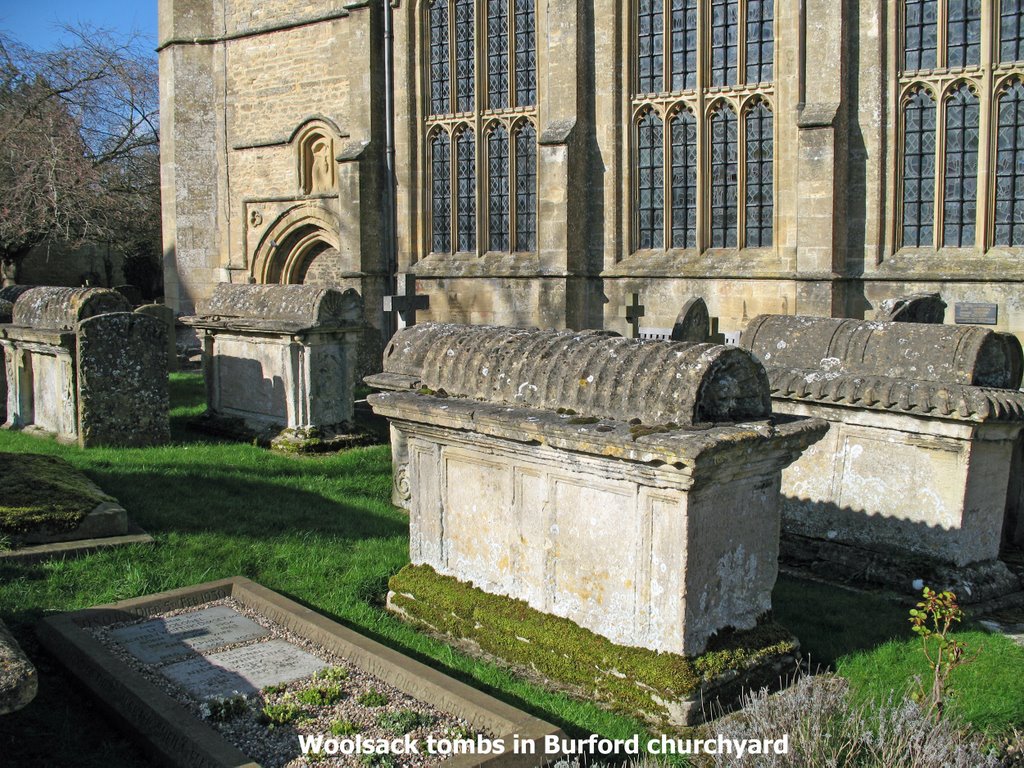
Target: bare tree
79	145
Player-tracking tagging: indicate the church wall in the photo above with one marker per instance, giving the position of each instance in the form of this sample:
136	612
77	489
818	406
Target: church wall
834	99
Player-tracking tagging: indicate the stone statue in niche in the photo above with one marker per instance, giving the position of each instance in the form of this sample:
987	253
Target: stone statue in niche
317	164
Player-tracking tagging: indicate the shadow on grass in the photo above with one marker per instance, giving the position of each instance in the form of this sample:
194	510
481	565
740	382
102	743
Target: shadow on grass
239	503
832	622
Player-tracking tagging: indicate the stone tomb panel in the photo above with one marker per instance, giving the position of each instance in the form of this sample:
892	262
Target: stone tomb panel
160	640
252	379
879	469
52	394
478	491
595	531
244	670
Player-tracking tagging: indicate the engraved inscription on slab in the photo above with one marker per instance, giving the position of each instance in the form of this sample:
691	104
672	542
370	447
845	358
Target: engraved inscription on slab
976	314
160	640
243	670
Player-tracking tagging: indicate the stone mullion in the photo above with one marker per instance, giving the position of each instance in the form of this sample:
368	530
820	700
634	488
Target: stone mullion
741	174
513	61
941	54
938	215
741	43
987	127
703	150
513	184
666	176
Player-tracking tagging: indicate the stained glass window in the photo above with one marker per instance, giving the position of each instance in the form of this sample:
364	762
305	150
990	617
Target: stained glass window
1010	168
724	41
440	88
650	182
723	178
759	192
650	42
918	170
684	45
684	180
441	193
963	32
526	54
961	172
920	34
497	189
760	40
465	154
526	188
464	56
1011	30
497	54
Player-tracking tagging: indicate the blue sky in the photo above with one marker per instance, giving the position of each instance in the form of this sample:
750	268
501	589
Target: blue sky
36	23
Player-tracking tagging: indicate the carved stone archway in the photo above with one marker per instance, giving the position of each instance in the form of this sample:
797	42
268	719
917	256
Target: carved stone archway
291	243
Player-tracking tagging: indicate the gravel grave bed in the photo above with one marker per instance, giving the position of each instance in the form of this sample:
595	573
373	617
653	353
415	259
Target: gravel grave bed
341	703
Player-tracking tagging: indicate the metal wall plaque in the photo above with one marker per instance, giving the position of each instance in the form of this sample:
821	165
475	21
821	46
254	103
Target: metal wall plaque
976	313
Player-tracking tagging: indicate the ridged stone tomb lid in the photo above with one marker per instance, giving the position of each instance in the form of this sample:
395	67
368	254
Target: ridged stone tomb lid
951	354
591	374
64	308
299	306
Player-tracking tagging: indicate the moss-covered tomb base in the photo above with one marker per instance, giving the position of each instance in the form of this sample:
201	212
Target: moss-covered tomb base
665	689
47	500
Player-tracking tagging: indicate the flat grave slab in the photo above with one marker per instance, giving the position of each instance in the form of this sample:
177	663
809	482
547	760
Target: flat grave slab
216	651
243	670
162	639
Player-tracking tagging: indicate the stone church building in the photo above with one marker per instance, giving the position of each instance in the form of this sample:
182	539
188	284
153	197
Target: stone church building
538	162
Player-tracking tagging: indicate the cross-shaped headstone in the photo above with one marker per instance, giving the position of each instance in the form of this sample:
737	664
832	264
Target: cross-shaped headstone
407	303
633	312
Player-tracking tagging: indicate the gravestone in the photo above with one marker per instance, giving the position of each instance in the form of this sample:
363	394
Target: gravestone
632	313
693	322
928	408
18	679
279	362
183	648
917	308
81	367
245	670
613	477
407	303
165	315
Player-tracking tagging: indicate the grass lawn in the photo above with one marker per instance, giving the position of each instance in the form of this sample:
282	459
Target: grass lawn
321	530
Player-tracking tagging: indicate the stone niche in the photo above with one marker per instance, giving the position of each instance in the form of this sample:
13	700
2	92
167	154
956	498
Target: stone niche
82	367
912	480
280	361
629	486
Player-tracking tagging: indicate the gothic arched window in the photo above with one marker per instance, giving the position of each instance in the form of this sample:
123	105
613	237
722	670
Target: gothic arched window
1009	223
650	171
959	124
724	171
690	174
918	169
491	43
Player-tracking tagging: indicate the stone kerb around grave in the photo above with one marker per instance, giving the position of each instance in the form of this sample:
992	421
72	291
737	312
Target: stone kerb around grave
80	366
279	362
174	736
928	408
629	486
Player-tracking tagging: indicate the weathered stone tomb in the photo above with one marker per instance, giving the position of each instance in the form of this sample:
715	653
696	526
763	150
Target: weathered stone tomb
81	367
280	360
915	470
629	486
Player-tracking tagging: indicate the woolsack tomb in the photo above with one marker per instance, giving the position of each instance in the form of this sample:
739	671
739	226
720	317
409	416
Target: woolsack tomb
915	477
631	487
